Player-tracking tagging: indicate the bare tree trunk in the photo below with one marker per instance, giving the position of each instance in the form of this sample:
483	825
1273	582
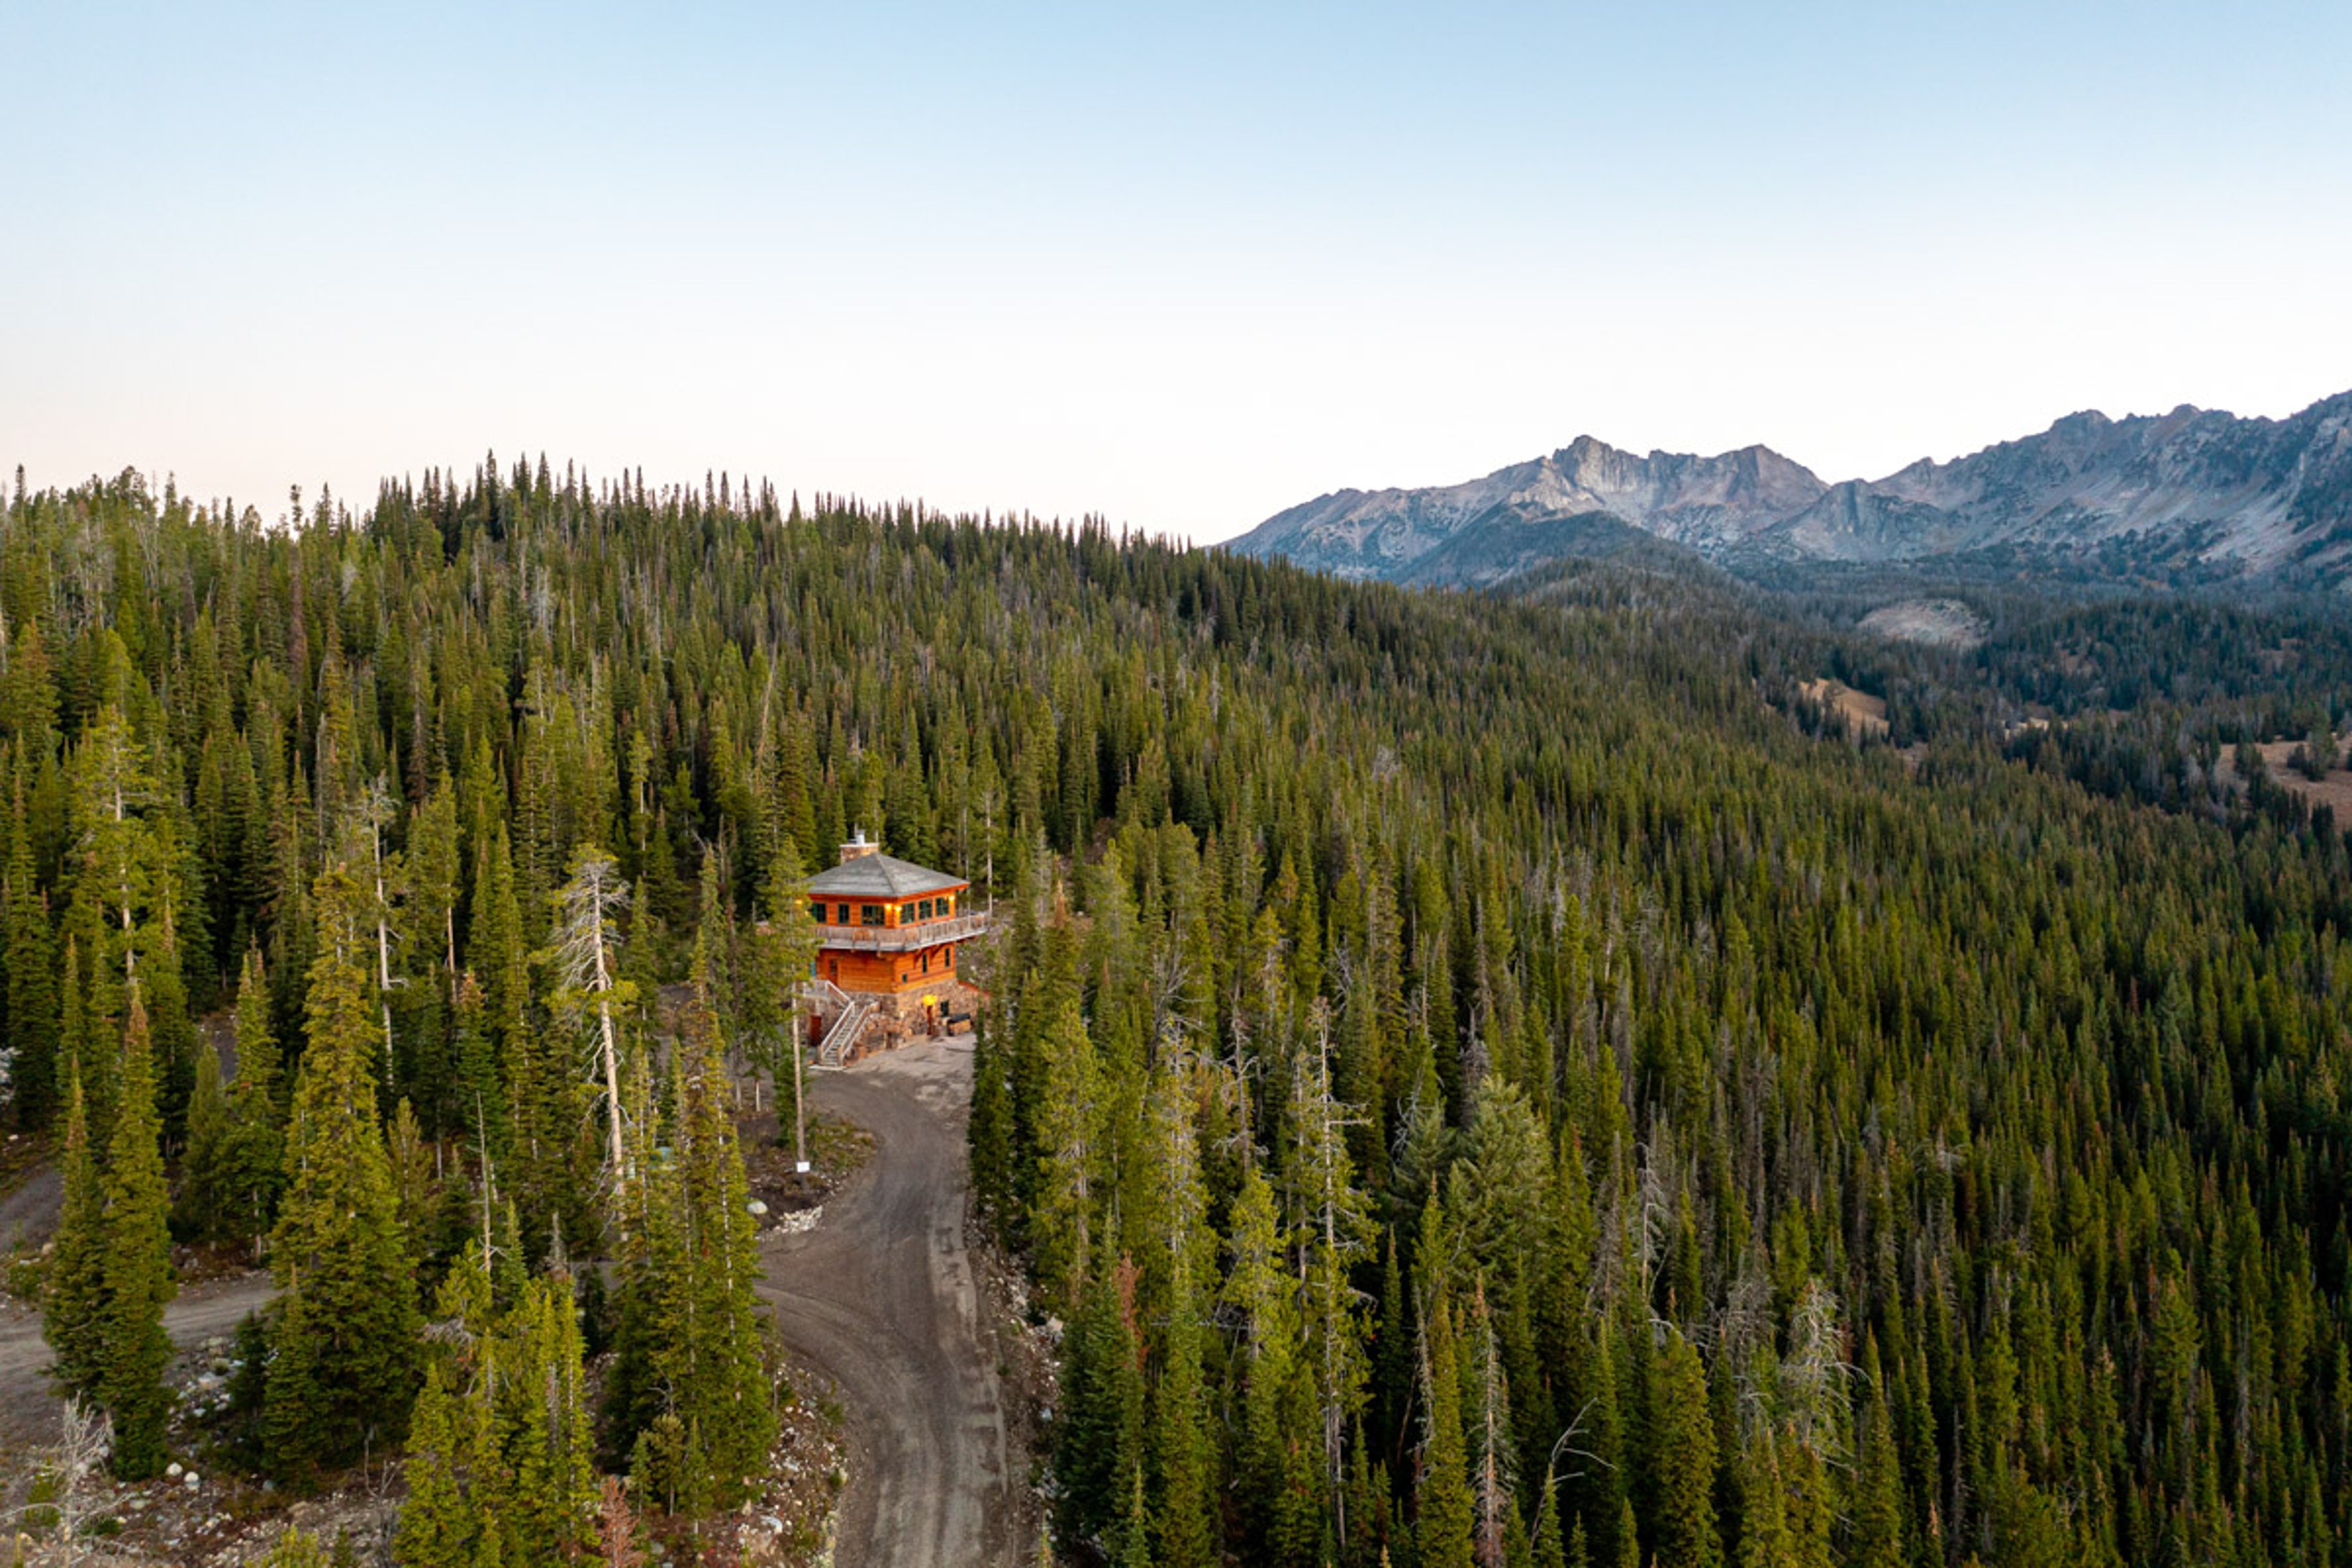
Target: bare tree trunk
382	932
612	1056
800	1105
88	1437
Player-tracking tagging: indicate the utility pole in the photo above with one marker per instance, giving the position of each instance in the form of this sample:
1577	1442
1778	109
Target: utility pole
800	1108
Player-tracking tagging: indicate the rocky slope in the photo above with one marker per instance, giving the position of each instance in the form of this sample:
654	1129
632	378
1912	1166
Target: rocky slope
2194	491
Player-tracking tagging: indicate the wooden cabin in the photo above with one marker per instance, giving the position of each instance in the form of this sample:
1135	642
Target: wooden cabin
888	965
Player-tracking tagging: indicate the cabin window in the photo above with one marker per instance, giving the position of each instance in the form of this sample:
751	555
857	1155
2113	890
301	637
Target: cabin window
926	963
816	913
950	959
946	906
873	915
923	911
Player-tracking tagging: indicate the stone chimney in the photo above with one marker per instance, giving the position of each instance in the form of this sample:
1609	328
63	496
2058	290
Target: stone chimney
858	846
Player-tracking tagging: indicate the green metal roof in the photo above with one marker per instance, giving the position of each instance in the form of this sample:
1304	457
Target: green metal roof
879	876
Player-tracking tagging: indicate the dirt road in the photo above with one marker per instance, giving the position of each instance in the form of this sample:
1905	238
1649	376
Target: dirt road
883	1296
29	1409
29	1210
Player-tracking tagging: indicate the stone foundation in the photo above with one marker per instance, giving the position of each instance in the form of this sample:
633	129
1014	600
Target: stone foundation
902	1017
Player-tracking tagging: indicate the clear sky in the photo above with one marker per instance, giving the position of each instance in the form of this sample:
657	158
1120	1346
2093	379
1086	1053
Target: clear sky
1179	265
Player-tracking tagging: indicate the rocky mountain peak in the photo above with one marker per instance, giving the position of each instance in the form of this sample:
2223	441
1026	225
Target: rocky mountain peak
2220	494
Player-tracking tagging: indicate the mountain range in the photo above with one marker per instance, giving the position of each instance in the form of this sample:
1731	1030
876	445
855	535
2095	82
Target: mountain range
2195	495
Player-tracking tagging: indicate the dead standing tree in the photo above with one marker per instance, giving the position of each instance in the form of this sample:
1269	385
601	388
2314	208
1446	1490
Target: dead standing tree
377	811
81	1454
584	952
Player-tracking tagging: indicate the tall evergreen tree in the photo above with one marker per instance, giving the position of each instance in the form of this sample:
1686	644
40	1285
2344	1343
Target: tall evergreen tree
440	1524
73	1297
140	1280
1681	1462
253	1162
731	1397
206	1204
343	1337
690	1400
1068	1117
1443	1533
30	1046
776	964
1182	1445
585	953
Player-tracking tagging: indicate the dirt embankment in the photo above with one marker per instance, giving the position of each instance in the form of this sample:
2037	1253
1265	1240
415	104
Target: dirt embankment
2335	791
1933	623
1863	714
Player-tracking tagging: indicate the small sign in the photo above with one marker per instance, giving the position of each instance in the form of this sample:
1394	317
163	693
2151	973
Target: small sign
801	1167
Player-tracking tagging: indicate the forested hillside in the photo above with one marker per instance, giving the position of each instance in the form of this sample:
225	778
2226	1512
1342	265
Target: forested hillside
1475	1082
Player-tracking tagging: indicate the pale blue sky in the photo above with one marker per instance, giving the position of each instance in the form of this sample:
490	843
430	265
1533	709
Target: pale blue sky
1178	267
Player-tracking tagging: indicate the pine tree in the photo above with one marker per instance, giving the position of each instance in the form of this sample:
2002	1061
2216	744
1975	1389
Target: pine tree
82	1028
73	1299
1182	1446
782	948
499	1468
1336	1232
343	1340
585	954
550	1442
1135	1533
731	1397
1262	1294
294	1548
1550	1551
991	1131
254	1161
1101	1388
690	1400
480	1092
1067	1119
206	1202
30	1046
1681	1459
139	1276
439	1525
1184	1451
546	1180
1443	1533
1487	1434
619	1543
28	692
1763	1522
431	959
122	881
1877	1503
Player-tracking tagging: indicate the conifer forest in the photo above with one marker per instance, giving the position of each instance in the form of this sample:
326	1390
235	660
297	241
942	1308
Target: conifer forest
1503	1079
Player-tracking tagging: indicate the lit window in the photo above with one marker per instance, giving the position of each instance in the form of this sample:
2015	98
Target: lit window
946	905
